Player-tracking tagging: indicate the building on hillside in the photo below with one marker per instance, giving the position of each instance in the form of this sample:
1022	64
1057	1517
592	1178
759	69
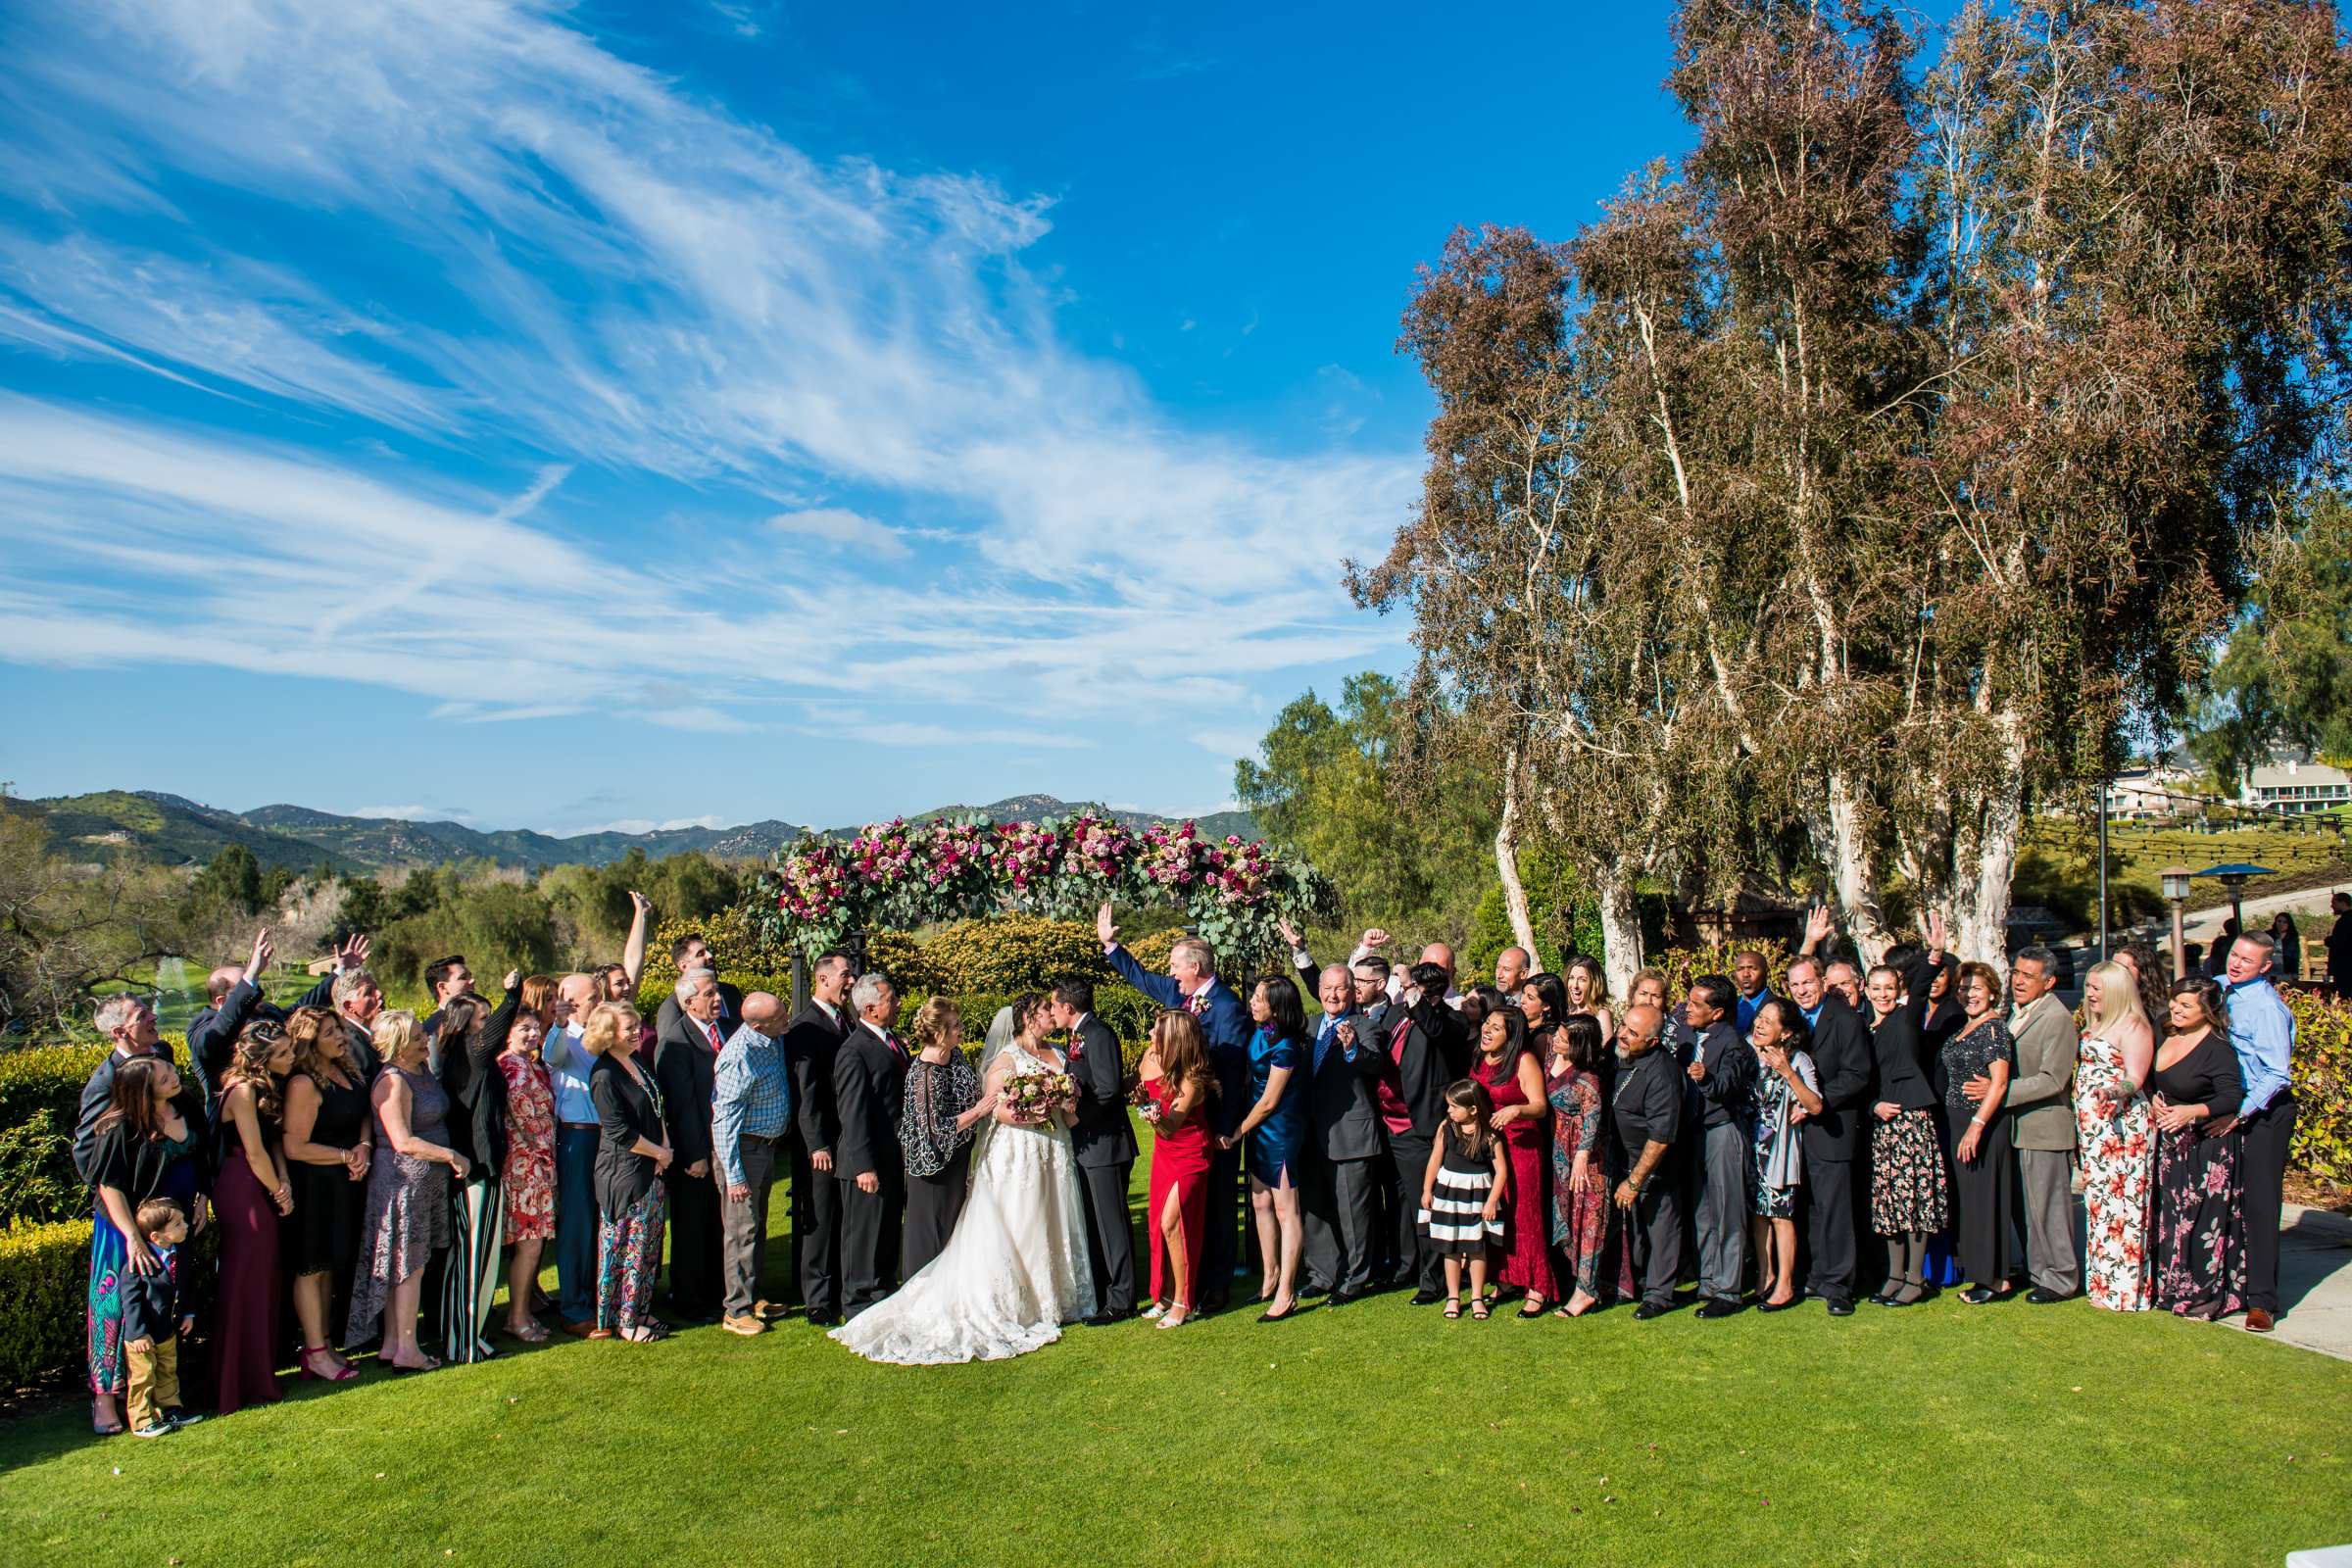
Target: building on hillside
2296	786
2151	795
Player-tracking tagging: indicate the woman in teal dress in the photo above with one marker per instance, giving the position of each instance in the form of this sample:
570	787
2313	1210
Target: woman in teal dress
1273	1134
149	1144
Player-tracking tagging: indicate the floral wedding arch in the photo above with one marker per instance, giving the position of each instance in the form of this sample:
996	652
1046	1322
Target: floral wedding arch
899	875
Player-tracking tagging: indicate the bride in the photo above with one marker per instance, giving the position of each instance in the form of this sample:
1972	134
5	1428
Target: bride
1015	1269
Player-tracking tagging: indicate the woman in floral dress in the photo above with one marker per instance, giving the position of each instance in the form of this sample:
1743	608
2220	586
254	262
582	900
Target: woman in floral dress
2198	1088
1788	1090
530	1173
2118	1147
1579	1182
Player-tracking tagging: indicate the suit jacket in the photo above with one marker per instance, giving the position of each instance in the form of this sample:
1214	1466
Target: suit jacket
1418	1041
1898	1045
2042	1113
1343	1098
688	1069
1224	1023
869	1090
730	1012
1719	1097
1842	1054
628	1112
477	1090
212	1032
365	1057
1101	1134
811	1039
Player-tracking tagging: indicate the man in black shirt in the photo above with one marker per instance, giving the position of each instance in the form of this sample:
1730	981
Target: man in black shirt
1647	1116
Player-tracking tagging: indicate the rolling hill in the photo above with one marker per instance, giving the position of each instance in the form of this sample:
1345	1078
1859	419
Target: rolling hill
178	831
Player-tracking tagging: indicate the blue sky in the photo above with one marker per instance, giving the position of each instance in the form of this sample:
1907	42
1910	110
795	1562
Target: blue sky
560	417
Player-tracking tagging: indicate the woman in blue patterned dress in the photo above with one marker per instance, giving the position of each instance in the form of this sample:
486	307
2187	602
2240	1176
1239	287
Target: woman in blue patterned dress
1272	1135
1787	1091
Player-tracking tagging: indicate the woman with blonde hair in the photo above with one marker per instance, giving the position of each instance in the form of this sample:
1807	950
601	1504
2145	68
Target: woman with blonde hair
408	1194
2117	1141
329	1141
943	1106
1174	1086
630	1154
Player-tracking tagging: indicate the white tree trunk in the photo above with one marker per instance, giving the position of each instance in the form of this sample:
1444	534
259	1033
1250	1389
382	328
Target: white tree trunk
1984	853
1620	927
1506	860
1840	838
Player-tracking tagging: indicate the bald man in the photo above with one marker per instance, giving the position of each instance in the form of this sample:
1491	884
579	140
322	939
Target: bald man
1510	973
750	1109
1647	1114
233	1000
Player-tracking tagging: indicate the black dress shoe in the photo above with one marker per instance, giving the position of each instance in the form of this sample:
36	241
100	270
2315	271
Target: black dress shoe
2043	1297
1214	1304
1842	1309
1978	1295
1649	1309
824	1320
1343	1297
1881	1298
1717	1306
1428	1297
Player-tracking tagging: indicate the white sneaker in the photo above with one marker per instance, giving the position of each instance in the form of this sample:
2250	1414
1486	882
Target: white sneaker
154	1429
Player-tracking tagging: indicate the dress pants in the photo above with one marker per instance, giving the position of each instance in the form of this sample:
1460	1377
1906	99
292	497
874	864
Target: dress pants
1341	1213
695	1284
743	1227
815	1236
153	1376
1110	1235
934	1203
578	1226
1221	1247
2262	1171
1830	1229
869	1242
1654	1229
1723	1209
2053	1260
1413	1261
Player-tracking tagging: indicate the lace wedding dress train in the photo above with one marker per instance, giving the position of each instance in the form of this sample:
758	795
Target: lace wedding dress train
1014	1270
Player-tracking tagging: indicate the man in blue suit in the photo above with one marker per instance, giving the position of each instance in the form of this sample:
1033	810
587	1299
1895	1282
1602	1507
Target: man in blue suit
1192	984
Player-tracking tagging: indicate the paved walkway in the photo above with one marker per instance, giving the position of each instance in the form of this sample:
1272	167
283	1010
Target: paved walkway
2315	1280
2203	925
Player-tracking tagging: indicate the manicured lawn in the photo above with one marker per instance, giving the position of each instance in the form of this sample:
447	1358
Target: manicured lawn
1375	1433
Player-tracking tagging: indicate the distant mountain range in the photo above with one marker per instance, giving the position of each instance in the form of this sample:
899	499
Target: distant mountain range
178	832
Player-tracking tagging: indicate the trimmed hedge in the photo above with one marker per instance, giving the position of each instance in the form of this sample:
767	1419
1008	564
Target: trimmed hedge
44	1299
2322	1147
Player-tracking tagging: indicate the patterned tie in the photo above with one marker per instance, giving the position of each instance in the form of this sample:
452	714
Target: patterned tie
716	1044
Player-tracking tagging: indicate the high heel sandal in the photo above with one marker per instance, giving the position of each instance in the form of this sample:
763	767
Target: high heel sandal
1453	1306
337	1371
1479	1310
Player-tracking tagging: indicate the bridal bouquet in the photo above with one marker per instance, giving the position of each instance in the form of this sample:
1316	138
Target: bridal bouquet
1034	1096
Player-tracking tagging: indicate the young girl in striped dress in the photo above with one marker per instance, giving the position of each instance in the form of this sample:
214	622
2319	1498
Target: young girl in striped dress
1461	1194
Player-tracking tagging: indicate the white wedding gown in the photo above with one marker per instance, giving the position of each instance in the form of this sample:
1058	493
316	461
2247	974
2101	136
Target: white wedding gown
1014	1270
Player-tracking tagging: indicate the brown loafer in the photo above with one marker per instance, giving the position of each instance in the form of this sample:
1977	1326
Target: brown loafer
767	1311
582	1330
2258	1321
745	1325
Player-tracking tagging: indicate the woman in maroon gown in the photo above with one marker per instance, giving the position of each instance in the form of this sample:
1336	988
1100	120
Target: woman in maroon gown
1176	1088
1515	1081
250	1198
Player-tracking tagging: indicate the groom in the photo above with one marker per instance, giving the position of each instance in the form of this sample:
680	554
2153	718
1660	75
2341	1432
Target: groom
1192	984
1103	1141
869	1089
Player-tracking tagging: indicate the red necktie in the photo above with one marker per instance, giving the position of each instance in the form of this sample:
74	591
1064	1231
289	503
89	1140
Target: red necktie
716	1044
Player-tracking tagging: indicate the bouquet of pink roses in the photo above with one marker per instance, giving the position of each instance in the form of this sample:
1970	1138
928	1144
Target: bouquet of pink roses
1036	1095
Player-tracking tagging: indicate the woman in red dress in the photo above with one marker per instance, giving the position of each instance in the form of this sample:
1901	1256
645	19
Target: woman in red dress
1175	1090
250	1198
1515	1081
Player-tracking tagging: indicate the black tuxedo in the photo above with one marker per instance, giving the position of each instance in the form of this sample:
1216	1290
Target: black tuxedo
811	1039
1104	1142
1346	1146
1417	1040
687	1069
869	1091
1834	1146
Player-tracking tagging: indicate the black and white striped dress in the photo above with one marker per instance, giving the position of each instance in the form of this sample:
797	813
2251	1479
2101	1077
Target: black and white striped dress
1454	1223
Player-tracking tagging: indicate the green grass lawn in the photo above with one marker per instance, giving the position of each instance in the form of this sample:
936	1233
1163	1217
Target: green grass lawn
1375	1433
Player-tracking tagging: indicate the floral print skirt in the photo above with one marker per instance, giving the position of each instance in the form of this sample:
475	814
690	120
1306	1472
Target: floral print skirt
2198	1187
2119	1180
628	1256
1906	1175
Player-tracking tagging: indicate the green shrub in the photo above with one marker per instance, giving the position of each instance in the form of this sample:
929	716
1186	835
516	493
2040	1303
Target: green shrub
1012	953
44	1299
37	1179
51	1078
2321	1148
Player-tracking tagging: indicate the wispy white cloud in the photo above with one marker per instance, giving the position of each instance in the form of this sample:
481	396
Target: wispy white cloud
837	525
646	824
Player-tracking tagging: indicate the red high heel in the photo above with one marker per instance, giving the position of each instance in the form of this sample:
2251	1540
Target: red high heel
343	1373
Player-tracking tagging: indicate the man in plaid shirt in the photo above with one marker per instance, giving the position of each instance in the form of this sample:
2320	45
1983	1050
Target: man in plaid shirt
750	1105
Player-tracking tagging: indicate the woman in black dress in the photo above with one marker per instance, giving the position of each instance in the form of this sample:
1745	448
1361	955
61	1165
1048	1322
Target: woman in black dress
1982	1179
329	1142
2196	1088
943	1106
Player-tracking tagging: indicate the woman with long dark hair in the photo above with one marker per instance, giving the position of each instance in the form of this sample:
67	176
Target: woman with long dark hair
1983	1176
1272	1135
149	1143
1176	1086
1580	1178
1543	1003
1514	1081
253	1194
2195	1089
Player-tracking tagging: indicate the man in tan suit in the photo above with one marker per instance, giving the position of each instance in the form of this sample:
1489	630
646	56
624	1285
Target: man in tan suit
2041	1120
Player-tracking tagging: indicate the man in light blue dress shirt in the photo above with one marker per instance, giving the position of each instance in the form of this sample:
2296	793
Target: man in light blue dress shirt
750	1105
2263	1033
576	1133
